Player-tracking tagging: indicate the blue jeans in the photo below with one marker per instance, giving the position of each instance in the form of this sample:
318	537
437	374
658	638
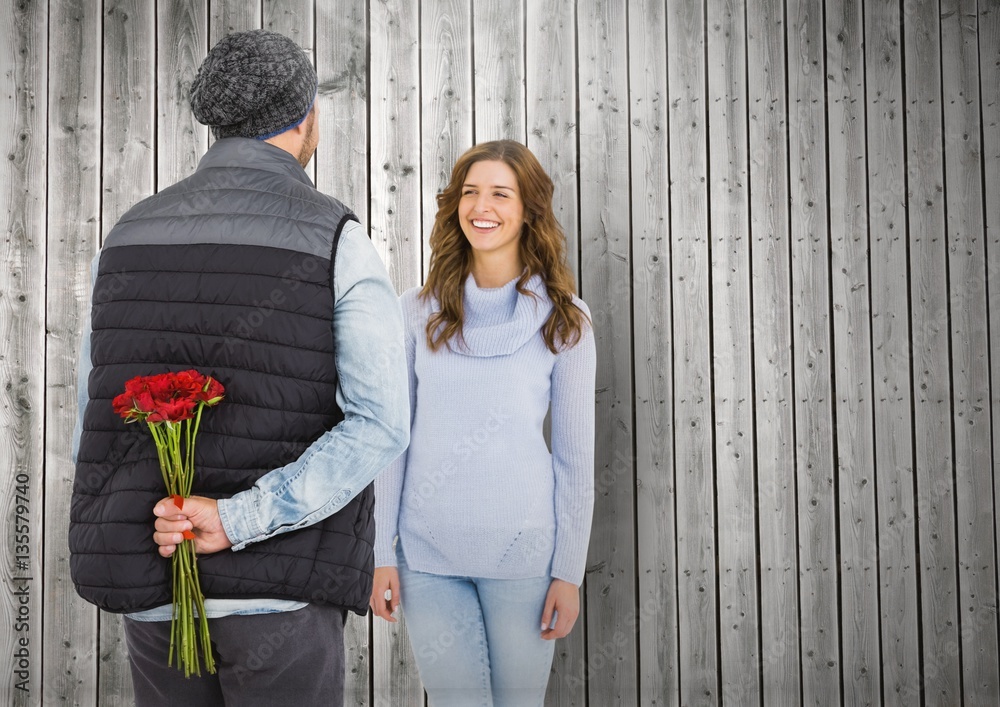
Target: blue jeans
476	641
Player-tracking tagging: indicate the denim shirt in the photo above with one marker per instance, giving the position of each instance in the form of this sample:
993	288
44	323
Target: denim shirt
372	391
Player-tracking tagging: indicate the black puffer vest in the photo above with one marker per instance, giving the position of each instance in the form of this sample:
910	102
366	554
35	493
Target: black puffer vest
228	272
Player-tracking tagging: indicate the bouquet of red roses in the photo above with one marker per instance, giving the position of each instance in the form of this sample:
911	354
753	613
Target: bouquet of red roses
171	405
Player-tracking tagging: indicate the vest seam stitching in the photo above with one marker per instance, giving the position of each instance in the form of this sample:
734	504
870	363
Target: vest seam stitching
212	336
321	202
105	273
224	368
230	402
323	318
230	214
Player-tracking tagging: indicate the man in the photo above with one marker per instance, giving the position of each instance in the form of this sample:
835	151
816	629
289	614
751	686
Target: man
244	272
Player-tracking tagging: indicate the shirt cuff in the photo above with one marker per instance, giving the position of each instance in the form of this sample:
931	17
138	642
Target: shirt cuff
241	518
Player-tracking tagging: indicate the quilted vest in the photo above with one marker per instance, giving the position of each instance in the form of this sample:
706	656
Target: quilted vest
228	272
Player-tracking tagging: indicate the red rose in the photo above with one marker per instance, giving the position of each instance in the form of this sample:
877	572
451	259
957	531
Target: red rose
211	392
172	411
136	385
188	384
123	405
144	402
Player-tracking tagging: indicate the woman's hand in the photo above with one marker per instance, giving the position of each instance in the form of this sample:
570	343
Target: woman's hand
563	599
386	578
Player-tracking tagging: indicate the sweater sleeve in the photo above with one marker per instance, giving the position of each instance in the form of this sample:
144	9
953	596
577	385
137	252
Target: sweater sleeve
389	484
573	379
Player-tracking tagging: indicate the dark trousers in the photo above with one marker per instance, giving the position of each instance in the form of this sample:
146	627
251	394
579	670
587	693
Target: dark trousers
285	658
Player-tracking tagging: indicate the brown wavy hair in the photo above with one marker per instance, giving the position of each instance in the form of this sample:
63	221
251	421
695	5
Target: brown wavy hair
542	247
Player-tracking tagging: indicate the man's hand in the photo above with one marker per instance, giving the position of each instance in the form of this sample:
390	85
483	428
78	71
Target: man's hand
386	578
200	515
563	599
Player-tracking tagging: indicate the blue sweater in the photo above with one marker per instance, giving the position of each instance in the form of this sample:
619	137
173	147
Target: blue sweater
477	493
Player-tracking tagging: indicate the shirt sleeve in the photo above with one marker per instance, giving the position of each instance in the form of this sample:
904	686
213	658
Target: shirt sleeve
389	484
573	380
371	392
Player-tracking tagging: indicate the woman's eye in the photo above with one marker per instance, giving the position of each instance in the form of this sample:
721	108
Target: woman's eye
500	193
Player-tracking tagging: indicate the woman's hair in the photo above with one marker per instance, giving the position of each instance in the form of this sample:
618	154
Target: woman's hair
542	249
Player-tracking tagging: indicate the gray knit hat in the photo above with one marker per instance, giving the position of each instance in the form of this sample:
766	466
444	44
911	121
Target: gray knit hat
253	84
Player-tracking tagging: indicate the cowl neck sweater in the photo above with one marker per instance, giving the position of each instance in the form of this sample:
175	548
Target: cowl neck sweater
478	493
500	320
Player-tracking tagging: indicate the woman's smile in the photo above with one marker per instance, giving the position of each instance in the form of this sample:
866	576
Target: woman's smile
491	211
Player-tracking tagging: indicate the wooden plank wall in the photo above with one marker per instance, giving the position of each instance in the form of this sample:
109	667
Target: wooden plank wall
783	215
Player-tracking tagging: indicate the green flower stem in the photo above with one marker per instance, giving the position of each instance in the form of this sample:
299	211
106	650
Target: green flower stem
161	451
176	458
189	622
173	624
191	443
206	642
190	657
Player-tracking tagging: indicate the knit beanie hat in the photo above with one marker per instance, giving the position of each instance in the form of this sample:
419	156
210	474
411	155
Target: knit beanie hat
254	84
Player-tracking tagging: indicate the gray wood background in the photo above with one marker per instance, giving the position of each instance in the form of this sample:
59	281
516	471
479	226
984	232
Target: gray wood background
780	214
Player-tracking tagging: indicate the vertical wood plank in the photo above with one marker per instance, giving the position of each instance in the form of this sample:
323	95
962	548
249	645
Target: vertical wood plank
989	66
292	18
228	16
659	655
773	393
127	168
969	352
446	100
181	45
70	624
821	678
693	416
129	82
891	370
342	171
931	370
605	284
24	47
550	90
342	67
732	360
852	352
498	31
395	212
296	20
395	139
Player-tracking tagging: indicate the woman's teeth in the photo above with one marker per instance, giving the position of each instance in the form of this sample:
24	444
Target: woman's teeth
484	224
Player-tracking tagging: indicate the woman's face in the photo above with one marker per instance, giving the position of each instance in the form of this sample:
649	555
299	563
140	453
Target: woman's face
491	212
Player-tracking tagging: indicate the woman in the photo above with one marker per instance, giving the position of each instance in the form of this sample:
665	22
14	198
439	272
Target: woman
492	528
